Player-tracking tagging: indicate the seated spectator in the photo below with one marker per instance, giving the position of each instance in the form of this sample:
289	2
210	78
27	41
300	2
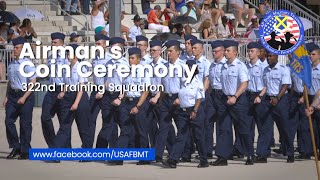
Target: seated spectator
189	10
154	22
253	25
238	9
98	16
169	13
264	8
208	30
177	4
102	30
205	13
27	31
145	4
136	29
187	30
216	12
223	29
232	24
3	30
75	38
15	28
11	35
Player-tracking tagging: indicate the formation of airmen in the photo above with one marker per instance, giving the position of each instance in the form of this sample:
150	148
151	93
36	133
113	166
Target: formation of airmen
227	94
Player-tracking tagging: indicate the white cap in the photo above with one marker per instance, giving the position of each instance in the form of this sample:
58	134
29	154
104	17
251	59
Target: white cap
187	1
232	17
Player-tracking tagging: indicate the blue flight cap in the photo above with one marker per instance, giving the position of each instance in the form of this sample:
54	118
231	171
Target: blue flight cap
141	38
57	35
99	37
172	43
191	62
189	37
116	40
74	35
196	41
155	43
134	50
311	47
229	43
216	44
18	40
252	45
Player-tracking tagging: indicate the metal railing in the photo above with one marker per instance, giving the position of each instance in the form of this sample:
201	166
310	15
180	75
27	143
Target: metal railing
296	8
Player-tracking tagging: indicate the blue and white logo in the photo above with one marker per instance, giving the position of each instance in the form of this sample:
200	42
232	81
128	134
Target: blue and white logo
281	32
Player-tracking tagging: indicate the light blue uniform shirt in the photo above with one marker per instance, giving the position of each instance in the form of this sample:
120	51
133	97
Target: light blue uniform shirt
59	62
190	92
172	84
232	76
75	78
186	57
265	63
255	74
115	79
203	67
98	61
14	75
215	74
297	83
156	80
315	80
136	81
146	59
274	78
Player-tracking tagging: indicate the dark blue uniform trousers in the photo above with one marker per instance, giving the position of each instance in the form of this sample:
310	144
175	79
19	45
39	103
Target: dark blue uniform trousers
300	124
280	114
228	114
152	116
128	121
24	112
166	134
108	134
95	106
81	115
50	107
184	124
316	123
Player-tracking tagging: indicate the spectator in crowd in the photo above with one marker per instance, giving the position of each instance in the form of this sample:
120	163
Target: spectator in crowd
177	29
205	13
154	22
189	10
254	24
11	35
169	13
208	30
145	4
264	8
187	30
15	28
177	4
223	29
216	12
98	16
3	30
3	5
238	9
124	29
71	7
75	38
232	24
27	31
135	30
102	30
85	6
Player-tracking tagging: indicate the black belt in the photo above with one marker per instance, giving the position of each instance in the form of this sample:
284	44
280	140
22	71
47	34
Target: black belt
253	93
217	90
170	95
130	99
189	109
112	92
16	90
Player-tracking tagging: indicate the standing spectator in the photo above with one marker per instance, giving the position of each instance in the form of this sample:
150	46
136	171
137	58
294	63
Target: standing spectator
223	29
264	8
98	15
238	9
216	12
154	22
85	6
3	5
189	10
71	7
145	4
136	29
208	30
27	31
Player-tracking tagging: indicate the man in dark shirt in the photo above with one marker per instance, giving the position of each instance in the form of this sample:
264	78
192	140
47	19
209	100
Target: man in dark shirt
145	4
